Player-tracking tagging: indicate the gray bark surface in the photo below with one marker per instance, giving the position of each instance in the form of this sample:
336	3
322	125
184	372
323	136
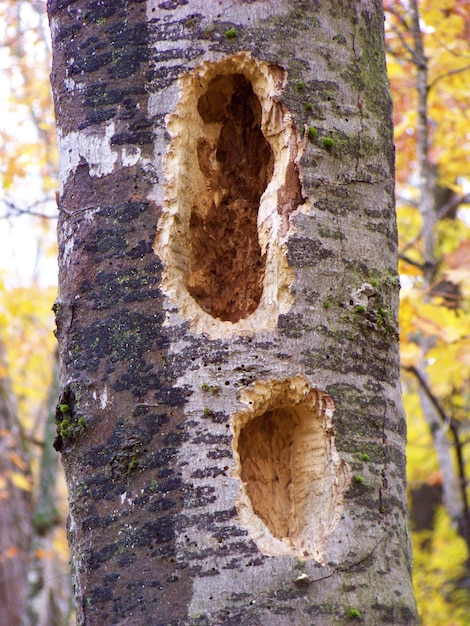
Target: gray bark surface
174	402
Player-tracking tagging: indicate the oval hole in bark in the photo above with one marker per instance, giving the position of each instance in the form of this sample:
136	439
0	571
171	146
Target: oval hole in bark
226	266
293	479
232	183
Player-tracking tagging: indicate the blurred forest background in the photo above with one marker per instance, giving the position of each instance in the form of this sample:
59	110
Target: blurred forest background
428	55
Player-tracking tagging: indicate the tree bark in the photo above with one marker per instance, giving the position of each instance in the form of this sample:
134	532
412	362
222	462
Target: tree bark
230	418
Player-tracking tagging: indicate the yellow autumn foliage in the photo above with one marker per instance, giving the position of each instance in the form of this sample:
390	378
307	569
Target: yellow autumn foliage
28	153
19	480
439	565
437	317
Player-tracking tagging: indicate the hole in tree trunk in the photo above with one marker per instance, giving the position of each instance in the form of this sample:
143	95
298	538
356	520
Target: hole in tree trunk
232	183
268	448
293	479
226	268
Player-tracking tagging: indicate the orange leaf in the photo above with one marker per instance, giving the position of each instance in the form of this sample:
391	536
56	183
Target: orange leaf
17	460
11	552
460	259
44	554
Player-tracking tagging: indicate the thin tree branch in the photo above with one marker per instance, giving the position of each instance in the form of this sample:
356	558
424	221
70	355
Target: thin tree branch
407	201
410	244
449	50
16	211
454	202
446	419
454	429
398	15
407	259
404	43
446	75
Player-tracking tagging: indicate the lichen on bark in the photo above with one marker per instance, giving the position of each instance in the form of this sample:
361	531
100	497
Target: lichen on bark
158	371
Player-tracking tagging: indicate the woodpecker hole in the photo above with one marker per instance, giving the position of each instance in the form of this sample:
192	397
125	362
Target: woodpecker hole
232	182
226	265
293	480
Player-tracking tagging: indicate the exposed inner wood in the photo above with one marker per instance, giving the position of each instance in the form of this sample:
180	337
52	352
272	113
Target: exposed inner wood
293	479
282	456
232	184
226	269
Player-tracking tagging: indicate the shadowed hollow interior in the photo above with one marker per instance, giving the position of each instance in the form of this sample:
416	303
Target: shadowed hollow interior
232	183
226	265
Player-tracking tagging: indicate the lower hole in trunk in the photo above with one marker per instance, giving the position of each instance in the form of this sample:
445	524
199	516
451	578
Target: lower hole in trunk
293	480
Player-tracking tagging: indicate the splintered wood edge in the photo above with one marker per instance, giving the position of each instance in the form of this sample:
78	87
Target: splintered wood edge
318	477
184	181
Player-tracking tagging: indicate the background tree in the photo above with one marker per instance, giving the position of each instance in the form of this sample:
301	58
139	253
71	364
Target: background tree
197	385
15	517
429	66
33	554
27	137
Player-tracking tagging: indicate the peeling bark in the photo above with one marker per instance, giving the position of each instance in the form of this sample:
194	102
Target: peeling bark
185	121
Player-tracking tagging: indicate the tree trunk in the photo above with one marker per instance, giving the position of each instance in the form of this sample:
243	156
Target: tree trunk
454	483
49	595
230	418
15	506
